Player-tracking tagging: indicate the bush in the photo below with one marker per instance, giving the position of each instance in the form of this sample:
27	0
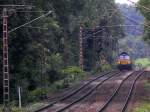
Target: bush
72	72
106	67
15	109
37	94
143	108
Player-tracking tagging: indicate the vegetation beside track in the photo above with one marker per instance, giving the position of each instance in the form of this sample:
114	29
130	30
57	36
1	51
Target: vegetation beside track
145	105
16	109
143	62
143	108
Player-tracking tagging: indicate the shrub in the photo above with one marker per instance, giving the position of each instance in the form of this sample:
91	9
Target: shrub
37	94
143	108
106	67
72	72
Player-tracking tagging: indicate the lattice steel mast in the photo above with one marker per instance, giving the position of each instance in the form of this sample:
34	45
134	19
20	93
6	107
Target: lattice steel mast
5	63
6	77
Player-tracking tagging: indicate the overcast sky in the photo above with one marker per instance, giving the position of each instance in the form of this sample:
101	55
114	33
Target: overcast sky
126	1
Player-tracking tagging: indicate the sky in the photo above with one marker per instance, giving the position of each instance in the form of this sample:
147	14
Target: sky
126	1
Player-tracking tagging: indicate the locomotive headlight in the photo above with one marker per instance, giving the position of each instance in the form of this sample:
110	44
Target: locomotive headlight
118	62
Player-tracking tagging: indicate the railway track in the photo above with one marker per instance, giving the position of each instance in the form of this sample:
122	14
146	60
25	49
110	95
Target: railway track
135	76
84	88
75	90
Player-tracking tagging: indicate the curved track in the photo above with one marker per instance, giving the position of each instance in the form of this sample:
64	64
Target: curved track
135	76
86	88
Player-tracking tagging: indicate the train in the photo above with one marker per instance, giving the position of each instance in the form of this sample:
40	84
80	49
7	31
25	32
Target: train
124	61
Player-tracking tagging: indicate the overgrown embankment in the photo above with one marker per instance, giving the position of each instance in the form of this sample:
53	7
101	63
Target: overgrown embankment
143	104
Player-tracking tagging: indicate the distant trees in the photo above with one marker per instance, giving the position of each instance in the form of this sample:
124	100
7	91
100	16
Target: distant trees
132	12
137	48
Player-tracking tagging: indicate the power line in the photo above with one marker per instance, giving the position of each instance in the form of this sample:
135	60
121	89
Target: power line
128	25
31	11
9	5
133	20
120	25
103	28
139	5
44	15
91	37
36	27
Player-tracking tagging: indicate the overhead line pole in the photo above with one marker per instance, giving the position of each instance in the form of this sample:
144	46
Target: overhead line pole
6	75
5	64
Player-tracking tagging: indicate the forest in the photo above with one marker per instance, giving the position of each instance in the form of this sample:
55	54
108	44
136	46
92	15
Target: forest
43	55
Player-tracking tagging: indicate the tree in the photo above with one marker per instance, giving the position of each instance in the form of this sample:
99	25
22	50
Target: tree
146	14
38	52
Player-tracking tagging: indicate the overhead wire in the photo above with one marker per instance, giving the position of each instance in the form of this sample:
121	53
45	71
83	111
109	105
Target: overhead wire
31	11
146	8
131	19
13	5
44	15
36	27
114	11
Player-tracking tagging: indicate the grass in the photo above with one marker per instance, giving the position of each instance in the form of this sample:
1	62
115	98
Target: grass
145	107
30	108
143	62
15	109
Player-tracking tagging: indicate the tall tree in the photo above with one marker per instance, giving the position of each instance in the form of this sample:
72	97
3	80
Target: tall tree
146	14
38	54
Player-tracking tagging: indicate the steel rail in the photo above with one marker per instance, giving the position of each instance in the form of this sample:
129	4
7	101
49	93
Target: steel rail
74	92
115	93
87	94
117	90
61	98
130	92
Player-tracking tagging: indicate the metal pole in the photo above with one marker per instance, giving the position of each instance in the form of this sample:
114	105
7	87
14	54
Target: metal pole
19	93
6	99
81	48
94	48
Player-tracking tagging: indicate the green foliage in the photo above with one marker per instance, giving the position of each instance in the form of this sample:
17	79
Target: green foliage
145	103
106	67
146	14
55	62
72	70
144	62
37	56
15	109
37	94
58	85
136	49
143	108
